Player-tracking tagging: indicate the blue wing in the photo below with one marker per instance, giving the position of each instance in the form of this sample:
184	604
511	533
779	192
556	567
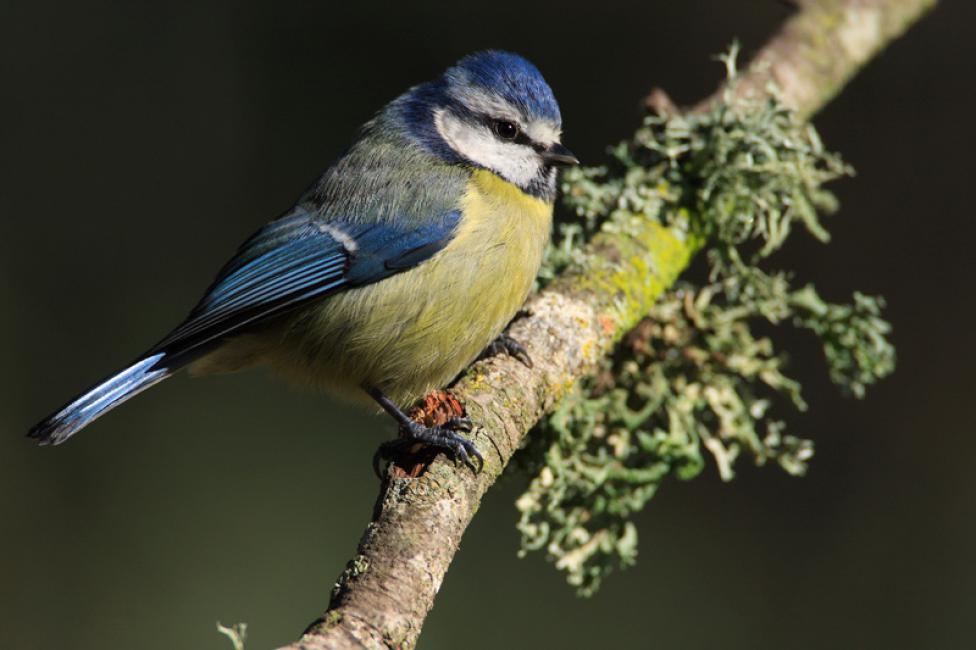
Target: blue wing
290	261
298	258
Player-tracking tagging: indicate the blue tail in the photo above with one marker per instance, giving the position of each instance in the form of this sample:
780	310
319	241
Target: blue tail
99	400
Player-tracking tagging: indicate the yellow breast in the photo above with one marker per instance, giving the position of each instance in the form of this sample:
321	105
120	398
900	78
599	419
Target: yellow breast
465	295
504	232
415	331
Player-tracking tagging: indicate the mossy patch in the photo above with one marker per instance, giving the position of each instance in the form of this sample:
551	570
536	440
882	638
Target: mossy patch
693	380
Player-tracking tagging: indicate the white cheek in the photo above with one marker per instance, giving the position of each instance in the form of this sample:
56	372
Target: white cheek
515	163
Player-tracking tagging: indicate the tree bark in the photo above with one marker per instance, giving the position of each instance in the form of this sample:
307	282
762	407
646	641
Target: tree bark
823	46
382	598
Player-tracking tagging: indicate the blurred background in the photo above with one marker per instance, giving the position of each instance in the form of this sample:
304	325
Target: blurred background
141	142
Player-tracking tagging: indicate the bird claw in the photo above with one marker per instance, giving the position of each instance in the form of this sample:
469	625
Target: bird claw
461	424
443	437
505	344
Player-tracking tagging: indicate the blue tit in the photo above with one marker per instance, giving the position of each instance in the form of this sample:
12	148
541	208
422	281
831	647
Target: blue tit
396	269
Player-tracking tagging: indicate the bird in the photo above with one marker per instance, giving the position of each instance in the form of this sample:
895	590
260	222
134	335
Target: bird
400	266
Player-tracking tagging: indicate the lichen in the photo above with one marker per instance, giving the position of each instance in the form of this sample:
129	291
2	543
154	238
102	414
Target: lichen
356	567
237	633
693	380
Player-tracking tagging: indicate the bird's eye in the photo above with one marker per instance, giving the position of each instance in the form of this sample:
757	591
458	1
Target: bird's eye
505	130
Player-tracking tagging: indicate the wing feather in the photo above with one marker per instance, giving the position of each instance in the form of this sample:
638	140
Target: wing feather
296	259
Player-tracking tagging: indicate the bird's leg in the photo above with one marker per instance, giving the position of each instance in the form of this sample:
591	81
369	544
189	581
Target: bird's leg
507	345
442	436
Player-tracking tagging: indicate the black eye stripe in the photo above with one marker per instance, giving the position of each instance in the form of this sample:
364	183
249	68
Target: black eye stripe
526	140
520	138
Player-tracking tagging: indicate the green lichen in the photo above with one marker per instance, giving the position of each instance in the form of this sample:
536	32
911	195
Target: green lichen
237	633
693	380
356	567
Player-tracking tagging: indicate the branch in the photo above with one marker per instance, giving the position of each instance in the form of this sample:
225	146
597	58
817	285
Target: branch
382	598
823	46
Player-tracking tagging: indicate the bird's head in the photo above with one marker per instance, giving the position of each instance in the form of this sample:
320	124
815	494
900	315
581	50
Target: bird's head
495	111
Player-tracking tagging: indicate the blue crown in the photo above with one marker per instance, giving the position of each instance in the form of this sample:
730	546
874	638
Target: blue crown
510	76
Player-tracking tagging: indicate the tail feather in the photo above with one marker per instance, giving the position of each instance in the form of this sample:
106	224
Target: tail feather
102	398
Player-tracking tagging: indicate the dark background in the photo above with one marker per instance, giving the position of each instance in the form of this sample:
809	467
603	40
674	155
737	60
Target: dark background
141	142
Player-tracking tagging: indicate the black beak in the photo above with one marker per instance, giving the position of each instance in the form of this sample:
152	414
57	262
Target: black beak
559	156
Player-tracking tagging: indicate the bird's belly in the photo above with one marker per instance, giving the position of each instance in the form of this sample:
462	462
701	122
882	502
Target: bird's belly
415	331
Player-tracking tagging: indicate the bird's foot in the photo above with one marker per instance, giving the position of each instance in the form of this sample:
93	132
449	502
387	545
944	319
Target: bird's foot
444	437
505	344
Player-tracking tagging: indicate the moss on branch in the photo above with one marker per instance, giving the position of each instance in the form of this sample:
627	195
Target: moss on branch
692	380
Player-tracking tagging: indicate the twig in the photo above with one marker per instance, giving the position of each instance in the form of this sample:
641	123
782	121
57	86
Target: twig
382	598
